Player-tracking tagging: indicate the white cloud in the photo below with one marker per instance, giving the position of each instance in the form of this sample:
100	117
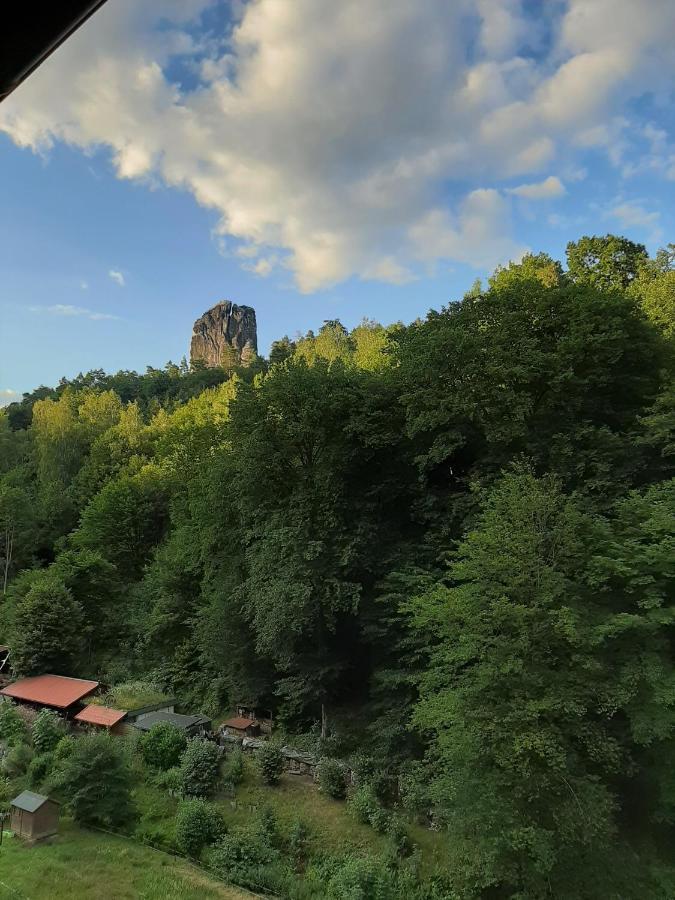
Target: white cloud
66	309
632	215
117	277
325	138
7	396
478	235
84	285
540	190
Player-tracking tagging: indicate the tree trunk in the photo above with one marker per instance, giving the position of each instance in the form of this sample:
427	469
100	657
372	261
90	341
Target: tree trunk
324	723
9	546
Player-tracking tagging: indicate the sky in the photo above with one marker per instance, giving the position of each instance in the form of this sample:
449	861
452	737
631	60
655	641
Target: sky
315	160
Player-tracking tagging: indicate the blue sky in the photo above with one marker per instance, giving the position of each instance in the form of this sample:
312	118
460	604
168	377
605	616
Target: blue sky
313	164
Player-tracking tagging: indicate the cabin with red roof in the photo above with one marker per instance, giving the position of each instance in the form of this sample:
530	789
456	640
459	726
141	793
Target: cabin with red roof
56	692
96	717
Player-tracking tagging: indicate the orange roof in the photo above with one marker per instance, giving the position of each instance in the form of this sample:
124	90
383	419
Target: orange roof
239	723
50	690
100	715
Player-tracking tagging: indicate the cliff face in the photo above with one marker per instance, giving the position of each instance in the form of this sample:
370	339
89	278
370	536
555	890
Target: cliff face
223	329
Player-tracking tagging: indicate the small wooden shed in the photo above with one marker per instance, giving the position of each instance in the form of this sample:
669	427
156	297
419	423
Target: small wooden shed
34	816
240	726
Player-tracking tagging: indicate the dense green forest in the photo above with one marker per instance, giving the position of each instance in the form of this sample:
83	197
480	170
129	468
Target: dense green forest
450	545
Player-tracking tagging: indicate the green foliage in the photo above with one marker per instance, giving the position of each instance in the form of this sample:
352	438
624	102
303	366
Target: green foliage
608	262
520	742
332	778
94	780
47	633
17	761
47	731
199	768
465	524
163	745
270	762
40	769
363	803
243	857
13	729
234	768
198	824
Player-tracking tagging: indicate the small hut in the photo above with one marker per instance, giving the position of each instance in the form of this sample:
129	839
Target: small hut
191	726
94	716
34	816
241	726
297	762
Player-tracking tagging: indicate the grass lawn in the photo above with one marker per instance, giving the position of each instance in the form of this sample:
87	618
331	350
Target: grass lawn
92	866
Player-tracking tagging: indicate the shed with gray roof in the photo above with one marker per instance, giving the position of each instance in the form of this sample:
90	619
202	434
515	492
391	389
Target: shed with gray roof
34	816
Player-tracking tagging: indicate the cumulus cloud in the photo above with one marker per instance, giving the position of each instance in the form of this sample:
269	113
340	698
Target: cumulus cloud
7	396
478	235
117	277
65	309
633	215
540	190
324	139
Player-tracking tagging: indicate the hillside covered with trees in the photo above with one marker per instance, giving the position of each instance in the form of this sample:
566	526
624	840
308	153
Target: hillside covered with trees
449	547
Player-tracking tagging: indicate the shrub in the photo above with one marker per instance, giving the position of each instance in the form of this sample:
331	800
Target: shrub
198	824
64	748
39	769
234	770
240	855
47	731
379	819
163	746
169	780
363	803
298	843
95	779
12	726
398	836
356	878
199	768
17	760
332	778
270	762
268	826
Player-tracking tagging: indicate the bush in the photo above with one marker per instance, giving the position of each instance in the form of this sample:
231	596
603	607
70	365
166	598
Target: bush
332	778
47	731
268	826
163	746
356	878
12	726
198	824
363	803
240	856
169	780
39	769
17	760
64	748
270	763
234	770
95	779
399	839
199	768
298	843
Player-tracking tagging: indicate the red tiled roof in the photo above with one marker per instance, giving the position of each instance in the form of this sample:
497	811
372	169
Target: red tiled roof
100	715
239	722
50	690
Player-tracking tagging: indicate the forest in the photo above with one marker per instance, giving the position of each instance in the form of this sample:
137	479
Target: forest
445	550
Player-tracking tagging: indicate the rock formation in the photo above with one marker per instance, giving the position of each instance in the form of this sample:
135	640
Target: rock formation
225	335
